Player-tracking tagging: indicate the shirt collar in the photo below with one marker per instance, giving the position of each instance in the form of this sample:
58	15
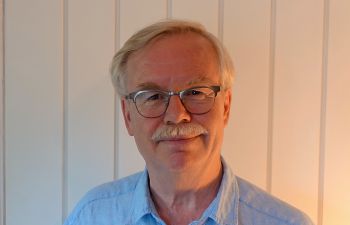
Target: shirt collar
142	204
223	209
225	205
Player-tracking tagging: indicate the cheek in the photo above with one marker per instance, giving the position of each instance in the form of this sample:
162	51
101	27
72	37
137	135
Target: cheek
216	132
143	128
215	126
214	122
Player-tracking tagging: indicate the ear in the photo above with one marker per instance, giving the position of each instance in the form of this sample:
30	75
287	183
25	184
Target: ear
127	116
227	105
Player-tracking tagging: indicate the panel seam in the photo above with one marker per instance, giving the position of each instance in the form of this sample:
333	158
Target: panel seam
323	114
3	126
271	96
221	20
169	9
65	112
116	108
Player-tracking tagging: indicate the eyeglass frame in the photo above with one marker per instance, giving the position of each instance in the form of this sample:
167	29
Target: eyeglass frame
132	96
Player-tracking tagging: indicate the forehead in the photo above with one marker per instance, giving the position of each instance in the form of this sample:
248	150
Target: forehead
173	60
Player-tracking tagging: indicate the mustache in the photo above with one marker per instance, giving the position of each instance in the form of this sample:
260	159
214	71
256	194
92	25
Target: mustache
184	130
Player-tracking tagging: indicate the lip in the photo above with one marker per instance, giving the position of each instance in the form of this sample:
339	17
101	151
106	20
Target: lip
177	139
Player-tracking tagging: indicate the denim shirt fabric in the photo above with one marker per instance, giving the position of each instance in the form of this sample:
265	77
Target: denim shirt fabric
128	202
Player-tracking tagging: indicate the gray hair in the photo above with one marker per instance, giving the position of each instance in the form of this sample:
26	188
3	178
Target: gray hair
168	27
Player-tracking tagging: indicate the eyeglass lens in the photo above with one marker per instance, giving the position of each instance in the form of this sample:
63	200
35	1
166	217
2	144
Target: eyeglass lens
154	103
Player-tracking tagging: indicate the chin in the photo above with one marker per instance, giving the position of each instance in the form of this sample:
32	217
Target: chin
179	164
182	161
181	156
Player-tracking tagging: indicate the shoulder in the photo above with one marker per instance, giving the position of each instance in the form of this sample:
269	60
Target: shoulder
258	205
112	189
105	201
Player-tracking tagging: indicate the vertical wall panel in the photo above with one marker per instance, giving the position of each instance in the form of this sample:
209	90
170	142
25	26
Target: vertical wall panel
2	150
337	157
147	12
90	96
247	37
297	102
203	11
33	73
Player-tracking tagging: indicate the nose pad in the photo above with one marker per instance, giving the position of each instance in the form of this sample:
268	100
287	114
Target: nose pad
176	112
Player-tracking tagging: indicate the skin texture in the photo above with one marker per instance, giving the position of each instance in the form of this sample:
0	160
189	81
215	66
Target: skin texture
185	172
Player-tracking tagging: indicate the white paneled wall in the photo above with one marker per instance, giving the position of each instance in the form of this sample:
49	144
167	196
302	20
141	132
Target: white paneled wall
337	141
89	96
297	102
33	109
203	11
246	34
64	132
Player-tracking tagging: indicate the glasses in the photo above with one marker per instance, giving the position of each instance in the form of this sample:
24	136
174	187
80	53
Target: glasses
154	103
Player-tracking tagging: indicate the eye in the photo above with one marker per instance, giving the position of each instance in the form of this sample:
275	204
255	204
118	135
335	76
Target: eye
154	97
151	97
198	94
195	92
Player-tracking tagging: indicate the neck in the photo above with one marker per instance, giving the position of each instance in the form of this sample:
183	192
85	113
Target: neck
181	197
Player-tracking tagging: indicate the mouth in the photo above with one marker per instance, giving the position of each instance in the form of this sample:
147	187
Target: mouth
178	133
174	139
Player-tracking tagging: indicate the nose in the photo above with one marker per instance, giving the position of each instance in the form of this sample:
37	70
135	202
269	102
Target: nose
176	112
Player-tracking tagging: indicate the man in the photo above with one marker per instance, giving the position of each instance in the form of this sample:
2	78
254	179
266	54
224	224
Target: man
174	80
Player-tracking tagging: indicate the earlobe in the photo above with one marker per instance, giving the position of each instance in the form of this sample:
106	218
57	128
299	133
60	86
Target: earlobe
127	116
227	105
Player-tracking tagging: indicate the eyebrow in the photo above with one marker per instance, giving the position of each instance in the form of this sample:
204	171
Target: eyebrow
200	80
148	85
197	81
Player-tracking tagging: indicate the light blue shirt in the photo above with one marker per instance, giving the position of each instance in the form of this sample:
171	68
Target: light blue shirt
128	202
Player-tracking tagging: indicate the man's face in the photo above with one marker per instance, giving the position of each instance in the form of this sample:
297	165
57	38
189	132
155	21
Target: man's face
175	63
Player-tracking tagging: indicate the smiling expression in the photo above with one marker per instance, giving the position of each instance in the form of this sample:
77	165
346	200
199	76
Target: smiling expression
174	63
